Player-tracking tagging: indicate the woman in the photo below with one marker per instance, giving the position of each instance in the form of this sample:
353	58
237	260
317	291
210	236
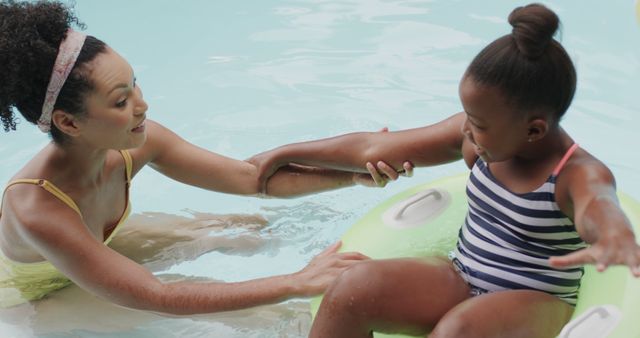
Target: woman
64	205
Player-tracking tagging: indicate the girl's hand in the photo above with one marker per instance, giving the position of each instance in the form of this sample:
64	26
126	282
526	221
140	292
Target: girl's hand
619	248
324	269
381	174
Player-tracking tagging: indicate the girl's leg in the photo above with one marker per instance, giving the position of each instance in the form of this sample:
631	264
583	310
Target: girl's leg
399	295
512	314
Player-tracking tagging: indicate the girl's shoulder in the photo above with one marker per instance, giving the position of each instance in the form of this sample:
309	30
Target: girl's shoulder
583	173
582	165
468	153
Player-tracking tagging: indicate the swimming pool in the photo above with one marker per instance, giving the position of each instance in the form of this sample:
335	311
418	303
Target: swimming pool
238	79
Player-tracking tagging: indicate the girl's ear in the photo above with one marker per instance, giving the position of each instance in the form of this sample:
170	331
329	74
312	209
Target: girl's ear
537	129
65	122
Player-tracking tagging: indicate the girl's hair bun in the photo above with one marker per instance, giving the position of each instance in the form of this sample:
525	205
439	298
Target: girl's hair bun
533	28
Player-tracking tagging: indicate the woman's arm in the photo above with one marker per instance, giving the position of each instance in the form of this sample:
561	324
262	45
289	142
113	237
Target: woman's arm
434	144
66	242
178	159
599	219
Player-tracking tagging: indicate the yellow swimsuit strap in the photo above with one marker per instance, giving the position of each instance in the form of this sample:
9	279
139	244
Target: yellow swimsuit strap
55	191
50	187
128	164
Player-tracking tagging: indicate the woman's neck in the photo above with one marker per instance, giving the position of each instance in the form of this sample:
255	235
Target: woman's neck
77	165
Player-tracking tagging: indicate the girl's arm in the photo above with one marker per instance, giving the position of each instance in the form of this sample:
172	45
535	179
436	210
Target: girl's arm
599	220
434	144
296	180
66	242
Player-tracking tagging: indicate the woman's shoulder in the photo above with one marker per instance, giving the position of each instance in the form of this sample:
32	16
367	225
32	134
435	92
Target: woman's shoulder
26	217
156	137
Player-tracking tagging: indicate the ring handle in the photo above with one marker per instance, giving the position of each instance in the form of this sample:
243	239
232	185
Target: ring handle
597	321
415	199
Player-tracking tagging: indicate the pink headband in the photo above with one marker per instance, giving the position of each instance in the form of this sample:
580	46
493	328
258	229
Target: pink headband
66	59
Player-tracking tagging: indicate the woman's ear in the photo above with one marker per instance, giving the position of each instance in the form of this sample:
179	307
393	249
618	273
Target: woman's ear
65	122
537	129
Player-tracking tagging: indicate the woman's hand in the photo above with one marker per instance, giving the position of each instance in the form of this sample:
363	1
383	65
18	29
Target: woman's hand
618	248
324	269
380	174
266	164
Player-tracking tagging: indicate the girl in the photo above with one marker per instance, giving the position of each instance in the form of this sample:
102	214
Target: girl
539	205
60	210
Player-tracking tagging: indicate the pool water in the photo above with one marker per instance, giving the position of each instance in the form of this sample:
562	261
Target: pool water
240	77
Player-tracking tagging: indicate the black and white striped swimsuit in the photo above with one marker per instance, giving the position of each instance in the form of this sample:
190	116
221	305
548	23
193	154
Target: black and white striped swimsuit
507	238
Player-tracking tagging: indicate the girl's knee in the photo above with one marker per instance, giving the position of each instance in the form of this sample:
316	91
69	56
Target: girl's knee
355	287
451	326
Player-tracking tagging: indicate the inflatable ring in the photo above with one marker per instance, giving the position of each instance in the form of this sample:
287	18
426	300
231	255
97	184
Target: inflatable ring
424	221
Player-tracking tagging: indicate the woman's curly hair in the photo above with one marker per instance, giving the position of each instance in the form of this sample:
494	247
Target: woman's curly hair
30	34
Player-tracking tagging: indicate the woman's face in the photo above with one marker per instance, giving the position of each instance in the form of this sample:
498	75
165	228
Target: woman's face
115	108
492	125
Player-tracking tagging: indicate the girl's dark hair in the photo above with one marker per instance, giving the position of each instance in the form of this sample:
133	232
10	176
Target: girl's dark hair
528	66
30	34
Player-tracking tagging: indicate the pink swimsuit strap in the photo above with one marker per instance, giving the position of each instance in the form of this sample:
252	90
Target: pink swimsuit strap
564	159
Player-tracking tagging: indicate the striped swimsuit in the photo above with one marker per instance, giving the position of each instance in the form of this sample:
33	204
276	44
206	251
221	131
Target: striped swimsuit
507	238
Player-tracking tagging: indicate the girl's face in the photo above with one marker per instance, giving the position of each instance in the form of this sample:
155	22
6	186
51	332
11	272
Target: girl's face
115	108
496	130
